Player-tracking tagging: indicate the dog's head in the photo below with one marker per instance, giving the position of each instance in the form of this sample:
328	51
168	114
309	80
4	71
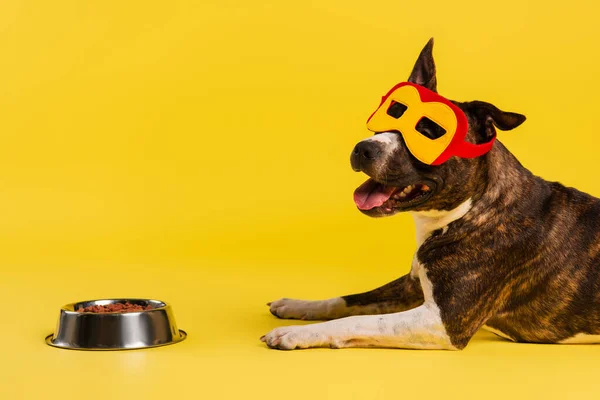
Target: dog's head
399	182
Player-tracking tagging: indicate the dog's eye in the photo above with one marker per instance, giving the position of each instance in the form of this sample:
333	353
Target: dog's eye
430	129
395	110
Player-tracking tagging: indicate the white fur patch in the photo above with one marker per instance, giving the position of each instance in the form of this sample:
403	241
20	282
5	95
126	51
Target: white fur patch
390	142
389	138
581	338
428	221
418	328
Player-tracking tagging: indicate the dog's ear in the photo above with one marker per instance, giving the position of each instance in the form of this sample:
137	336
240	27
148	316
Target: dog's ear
423	72
490	117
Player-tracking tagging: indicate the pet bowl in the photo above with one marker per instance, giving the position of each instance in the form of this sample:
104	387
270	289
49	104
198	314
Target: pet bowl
116	330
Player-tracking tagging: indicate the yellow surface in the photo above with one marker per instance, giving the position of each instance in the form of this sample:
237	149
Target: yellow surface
199	153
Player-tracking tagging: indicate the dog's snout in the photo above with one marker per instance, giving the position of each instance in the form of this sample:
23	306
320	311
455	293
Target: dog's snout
372	154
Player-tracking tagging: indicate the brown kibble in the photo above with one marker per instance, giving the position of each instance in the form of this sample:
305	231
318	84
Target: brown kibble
115	308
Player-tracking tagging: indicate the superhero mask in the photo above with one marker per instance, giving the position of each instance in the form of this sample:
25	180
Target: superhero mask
433	128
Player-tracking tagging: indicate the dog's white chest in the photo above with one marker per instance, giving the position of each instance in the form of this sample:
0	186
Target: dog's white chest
426	222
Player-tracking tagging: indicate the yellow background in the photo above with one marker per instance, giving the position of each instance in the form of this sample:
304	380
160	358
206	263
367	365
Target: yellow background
198	152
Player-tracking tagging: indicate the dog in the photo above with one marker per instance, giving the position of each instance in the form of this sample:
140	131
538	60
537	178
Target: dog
498	248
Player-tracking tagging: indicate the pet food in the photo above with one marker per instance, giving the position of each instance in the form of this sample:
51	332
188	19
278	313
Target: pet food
114	308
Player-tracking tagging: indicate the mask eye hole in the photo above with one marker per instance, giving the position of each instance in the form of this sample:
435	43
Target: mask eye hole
395	110
430	129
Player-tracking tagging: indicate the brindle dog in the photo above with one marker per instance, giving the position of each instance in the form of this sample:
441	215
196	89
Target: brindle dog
498	248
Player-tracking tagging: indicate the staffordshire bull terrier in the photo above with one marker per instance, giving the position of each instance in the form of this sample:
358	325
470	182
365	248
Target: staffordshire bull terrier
497	247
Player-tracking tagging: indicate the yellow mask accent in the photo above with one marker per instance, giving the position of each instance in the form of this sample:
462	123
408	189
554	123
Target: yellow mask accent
423	148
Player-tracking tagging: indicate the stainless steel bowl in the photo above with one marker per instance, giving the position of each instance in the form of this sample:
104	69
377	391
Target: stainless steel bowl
115	331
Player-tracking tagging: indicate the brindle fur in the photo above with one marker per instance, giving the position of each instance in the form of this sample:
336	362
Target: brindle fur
400	295
525	259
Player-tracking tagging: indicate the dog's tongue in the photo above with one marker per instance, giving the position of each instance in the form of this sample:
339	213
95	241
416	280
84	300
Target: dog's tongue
372	194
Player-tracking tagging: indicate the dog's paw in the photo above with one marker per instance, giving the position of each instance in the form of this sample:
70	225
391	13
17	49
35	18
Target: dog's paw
291	309
304	309
293	337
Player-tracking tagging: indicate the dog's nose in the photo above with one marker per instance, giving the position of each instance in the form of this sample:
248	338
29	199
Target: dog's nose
366	150
363	154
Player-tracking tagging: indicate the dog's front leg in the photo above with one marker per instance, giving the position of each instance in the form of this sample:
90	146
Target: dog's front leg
402	294
418	328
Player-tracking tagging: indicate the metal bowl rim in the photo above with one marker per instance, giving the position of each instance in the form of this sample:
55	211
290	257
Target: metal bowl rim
72	310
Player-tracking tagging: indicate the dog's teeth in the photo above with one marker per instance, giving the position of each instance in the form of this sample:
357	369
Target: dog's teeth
401	195
425	188
408	189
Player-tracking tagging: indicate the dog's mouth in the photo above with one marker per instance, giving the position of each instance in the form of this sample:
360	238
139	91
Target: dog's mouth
387	199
